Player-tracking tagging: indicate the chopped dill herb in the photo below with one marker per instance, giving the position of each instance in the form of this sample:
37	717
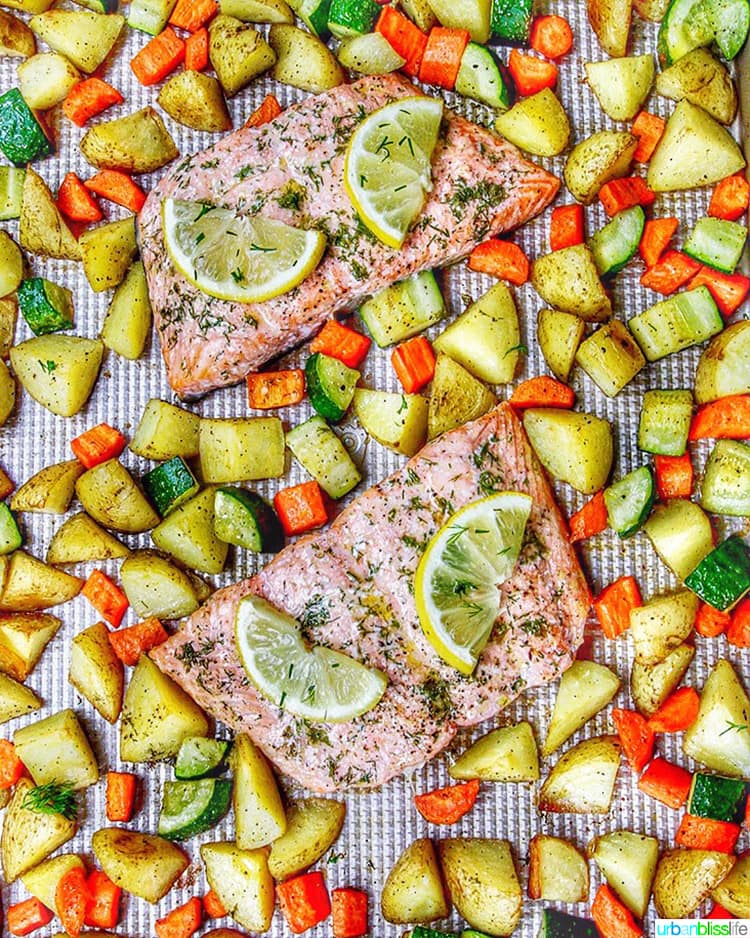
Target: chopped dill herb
52	798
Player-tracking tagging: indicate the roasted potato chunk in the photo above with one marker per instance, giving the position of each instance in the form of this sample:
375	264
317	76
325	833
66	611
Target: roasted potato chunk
16	699
685	877
57	749
42	229
302	60
259	812
557	871
569	281
585	688
195	100
42	880
583	778
573	447
157	587
313	825
733	892
80	539
604	155
701	79
241	880
136	143
23	638
108	251
58	371
713	738
31	585
110	495
143	864
610	20
628	862
414	890
651	684
16	39
96	672
238	53
724	366
482	882
50	490
508	754
661	625
29	836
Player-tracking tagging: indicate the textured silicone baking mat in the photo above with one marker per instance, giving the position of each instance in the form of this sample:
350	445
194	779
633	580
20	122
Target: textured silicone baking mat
379	825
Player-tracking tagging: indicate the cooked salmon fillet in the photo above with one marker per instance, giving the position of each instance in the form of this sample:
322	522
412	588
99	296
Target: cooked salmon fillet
291	169
351	588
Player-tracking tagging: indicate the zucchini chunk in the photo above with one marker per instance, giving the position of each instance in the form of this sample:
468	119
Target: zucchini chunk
717	797
22	137
318	450
722	578
330	385
189	808
46	306
403	309
629	501
583	778
414	890
11	264
724	366
508	754
725	488
677	323
610	356
665	421
245	519
483	78
200	757
170	485
11	191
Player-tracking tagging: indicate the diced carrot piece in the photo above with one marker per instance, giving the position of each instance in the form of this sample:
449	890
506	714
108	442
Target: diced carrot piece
718	911
349	912
657	233
710	622
405	37
666	782
89	98
674	476
649	128
589	520
6	484
551	36
738	633
181	922
531	74
611	917
97	445
705	833
103	907
730	198
71	897
670	273
25	917
566	226
76	202
192	14
269	389
160	56
542	392
120	796
117	187
728	290
613	605
339	341
441	60
196	51
636	737
213	906
619	194
725	419
107	598
447	805
301	508
304	901
502	259
414	363
130	643
677	713
268	110
11	767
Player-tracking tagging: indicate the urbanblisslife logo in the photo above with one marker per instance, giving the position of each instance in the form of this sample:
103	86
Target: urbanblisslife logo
702	928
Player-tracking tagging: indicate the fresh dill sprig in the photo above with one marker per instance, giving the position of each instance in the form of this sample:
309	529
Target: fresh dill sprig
52	798
738	727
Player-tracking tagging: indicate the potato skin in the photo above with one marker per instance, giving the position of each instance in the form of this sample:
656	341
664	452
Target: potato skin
701	79
685	877
302	60
143	864
610	20
238	53
313	825
195	100
110	495
137	143
414	890
604	155
16	39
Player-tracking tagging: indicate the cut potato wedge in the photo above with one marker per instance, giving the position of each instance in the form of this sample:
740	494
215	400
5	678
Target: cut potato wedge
259	813
700	78
45	79
585	688
238	53
605	155
651	684
23	638
111	496
96	672
537	124
58	371
57	749
485	339
628	862
455	398
557	870
694	151
29	836
50	490
188	534
156	716
569	281
651	10
312	826
414	890
128	321
108	251
16	699
573	447
8	320
302	60
733	892
84	38
42	880
240	449
80	539
482	882
610	20
156	587
143	864
241	880
166	430
685	877
724	366
258	11
666	529
505	755
31	585
7	393
621	85
16	39
559	335
398	421
196	101
583	778
718	737
41	228
660	625
136	143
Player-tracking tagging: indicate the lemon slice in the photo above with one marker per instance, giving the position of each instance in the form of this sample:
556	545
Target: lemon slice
457	580
314	683
243	258
387	170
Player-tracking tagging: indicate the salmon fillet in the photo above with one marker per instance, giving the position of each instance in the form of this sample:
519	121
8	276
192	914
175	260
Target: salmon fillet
351	588
291	169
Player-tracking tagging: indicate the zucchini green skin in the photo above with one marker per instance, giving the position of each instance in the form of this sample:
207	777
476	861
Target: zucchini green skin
352	17
717	797
10	535
99	6
201	758
170	485
676	323
314	14
317	448
483	78
150	16
205	816
725	489
723	577
261	530
511	20
45	306
561	925
22	138
690	24
403	309
629	501
423	931
717	243
330	385
615	243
